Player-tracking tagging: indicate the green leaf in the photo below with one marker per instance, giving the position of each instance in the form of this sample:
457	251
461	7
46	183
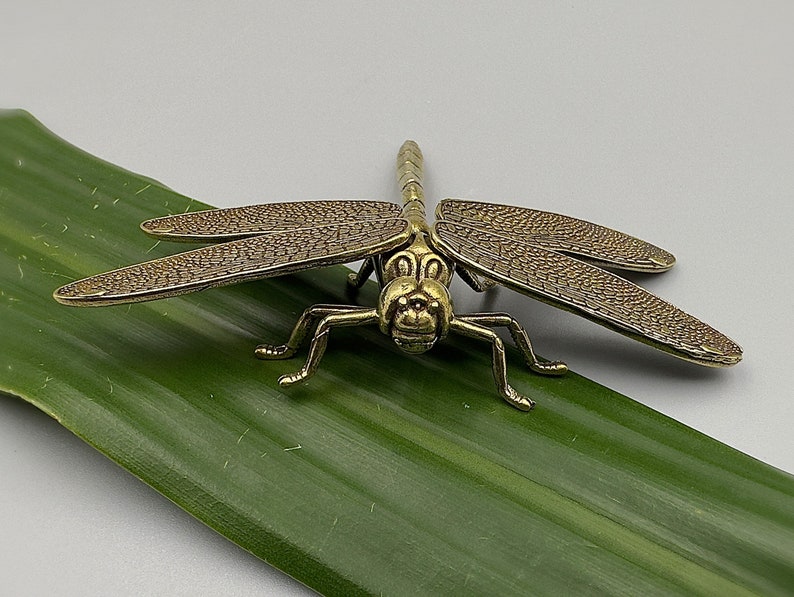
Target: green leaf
384	473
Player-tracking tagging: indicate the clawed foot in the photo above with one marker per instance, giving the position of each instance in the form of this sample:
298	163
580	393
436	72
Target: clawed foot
271	351
515	399
292	378
353	281
549	368
487	284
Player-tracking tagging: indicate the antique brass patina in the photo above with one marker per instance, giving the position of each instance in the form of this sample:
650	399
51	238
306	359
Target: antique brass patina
554	258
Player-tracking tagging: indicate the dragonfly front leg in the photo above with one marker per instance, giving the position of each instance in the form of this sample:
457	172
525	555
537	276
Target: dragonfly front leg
521	338
499	364
342	317
302	327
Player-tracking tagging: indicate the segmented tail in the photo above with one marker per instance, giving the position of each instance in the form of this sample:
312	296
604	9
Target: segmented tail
409	176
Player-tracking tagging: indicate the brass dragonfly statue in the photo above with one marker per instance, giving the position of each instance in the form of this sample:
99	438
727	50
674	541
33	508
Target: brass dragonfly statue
554	258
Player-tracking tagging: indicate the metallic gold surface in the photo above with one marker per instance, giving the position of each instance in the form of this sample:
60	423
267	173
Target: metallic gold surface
551	257
584	240
571	284
218	225
241	260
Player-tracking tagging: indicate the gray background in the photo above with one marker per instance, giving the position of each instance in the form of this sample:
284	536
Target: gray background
672	121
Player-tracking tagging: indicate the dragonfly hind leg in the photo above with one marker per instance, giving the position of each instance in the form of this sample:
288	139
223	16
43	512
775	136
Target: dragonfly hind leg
520	337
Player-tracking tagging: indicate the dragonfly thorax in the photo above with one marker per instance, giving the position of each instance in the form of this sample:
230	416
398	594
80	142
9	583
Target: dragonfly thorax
418	261
415	313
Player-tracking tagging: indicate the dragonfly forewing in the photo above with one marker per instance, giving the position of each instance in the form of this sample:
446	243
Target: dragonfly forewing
587	290
236	261
220	225
587	241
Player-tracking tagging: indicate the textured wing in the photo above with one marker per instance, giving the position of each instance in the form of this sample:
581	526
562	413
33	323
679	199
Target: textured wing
219	225
587	241
238	261
587	290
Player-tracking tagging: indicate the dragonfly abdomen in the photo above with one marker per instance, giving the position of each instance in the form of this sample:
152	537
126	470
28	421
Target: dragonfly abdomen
409	176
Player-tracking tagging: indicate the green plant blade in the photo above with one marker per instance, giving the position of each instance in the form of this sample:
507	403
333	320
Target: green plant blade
384	473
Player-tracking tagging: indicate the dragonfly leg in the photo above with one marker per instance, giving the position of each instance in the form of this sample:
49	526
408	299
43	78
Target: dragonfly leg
477	284
343	316
357	280
521	338
499	364
302	327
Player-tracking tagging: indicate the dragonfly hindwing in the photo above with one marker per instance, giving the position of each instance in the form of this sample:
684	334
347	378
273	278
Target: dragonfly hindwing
241	260
571	284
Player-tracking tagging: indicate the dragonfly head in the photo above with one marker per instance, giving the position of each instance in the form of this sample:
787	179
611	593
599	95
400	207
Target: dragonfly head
415	313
